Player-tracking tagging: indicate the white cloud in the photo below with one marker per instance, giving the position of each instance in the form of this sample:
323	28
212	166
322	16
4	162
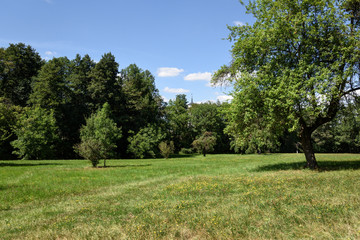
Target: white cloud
169	72
198	76
238	23
176	90
224	98
50	53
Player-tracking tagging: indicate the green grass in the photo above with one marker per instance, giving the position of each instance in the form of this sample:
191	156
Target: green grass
217	197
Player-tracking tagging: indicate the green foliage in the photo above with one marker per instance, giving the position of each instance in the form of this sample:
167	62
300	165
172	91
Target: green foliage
99	136
208	117
37	134
18	65
186	151
205	143
145	142
143	102
178	121
103	86
290	70
166	149
9	114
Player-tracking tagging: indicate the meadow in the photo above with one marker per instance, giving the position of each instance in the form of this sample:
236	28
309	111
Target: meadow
188	197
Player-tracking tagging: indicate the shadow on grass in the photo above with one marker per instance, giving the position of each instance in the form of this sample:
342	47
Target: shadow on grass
122	166
324	166
182	155
13	164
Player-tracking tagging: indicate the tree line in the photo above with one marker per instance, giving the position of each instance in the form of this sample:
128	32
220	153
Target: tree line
45	104
56	109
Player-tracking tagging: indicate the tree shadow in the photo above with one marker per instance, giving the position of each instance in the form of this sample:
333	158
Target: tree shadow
13	164
122	166
323	166
182	155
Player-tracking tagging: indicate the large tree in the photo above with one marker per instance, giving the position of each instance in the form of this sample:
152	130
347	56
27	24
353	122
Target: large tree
18	65
291	68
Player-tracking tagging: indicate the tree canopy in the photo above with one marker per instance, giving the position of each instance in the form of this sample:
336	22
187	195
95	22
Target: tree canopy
290	69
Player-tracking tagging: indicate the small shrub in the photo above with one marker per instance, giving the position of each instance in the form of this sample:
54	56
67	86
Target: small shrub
186	151
166	149
90	149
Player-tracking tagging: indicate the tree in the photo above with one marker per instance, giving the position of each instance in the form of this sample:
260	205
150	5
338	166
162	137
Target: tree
205	143
99	136
145	142
51	90
290	70
178	121
103	86
142	104
18	65
37	134
207	117
8	117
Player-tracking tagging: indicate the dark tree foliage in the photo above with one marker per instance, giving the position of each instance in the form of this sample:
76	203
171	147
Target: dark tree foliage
141	105
207	117
18	65
103	86
51	90
178	122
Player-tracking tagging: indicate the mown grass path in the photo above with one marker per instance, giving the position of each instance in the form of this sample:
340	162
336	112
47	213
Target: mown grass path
216	197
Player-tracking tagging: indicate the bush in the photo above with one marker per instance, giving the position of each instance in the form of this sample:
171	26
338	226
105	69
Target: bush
166	149
186	151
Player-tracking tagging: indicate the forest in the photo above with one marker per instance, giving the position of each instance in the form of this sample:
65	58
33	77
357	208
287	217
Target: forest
47	107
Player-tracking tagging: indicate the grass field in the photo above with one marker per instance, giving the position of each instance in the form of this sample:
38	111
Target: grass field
216	197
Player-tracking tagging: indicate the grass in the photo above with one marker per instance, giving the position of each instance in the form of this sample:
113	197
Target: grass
216	197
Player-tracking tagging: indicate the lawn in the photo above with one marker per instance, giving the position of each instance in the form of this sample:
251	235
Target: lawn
188	197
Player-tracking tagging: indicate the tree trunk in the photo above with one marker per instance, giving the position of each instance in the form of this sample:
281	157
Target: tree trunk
305	135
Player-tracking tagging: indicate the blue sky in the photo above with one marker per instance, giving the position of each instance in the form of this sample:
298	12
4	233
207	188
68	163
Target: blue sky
180	41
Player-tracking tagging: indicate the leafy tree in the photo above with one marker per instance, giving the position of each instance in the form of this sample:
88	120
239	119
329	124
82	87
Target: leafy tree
290	70
141	101
103	86
51	90
99	136
166	148
178	121
37	134
8	118
18	65
205	143
208	117
145	142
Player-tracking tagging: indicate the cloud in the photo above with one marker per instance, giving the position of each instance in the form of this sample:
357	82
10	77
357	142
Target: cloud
176	90
50	53
198	76
238	23
224	98
169	72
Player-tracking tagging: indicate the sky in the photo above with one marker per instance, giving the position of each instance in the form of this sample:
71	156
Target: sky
181	42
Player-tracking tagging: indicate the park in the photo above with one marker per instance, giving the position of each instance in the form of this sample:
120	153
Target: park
92	150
